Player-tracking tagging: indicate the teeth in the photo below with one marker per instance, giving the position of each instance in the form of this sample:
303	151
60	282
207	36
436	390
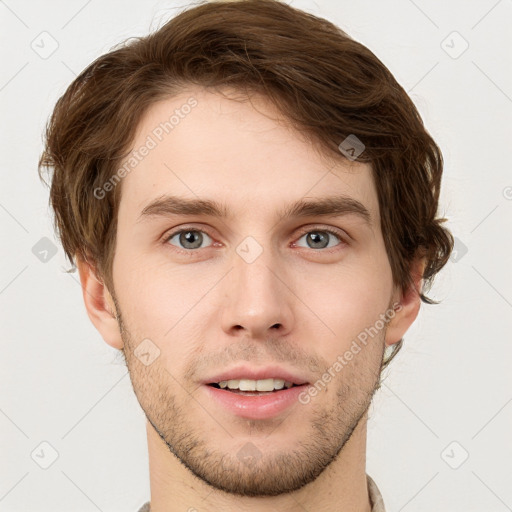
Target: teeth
255	385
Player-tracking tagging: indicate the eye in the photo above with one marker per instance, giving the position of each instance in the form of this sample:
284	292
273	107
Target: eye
188	239
321	238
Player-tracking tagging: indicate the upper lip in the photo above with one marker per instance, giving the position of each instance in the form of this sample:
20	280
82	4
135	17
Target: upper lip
246	372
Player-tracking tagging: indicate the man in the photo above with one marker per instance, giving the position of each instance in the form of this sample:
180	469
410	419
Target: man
251	201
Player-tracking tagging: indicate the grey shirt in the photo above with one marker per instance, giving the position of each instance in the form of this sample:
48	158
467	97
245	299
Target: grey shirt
373	491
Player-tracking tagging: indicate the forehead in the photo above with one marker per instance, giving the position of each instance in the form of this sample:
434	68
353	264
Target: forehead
200	144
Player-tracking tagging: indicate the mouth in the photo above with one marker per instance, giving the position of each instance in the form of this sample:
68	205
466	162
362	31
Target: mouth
253	405
256	394
250	387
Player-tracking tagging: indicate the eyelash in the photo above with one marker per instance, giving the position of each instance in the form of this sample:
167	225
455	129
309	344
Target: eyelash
339	234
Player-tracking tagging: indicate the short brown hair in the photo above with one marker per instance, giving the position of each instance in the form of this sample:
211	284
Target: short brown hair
327	85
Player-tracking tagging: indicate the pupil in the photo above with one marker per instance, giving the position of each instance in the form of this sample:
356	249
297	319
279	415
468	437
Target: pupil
193	238
318	239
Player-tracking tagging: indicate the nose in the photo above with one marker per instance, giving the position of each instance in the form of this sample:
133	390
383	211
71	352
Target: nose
258	299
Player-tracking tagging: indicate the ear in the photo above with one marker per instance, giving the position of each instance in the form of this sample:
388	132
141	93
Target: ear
99	305
408	304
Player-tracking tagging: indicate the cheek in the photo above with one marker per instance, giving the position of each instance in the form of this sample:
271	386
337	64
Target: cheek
150	301
164	303
352	299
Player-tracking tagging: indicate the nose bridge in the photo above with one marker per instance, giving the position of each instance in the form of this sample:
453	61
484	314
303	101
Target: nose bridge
257	300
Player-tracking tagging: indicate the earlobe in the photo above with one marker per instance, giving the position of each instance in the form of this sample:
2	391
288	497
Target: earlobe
99	305
407	306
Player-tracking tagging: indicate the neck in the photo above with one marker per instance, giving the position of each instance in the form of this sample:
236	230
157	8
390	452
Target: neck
341	486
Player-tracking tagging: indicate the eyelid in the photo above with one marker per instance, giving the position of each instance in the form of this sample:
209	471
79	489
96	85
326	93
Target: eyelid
172	232
340	233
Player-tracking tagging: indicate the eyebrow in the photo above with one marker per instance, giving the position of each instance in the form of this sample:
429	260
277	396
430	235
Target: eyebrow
331	206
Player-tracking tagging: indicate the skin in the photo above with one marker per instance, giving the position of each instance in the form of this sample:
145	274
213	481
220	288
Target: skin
208	309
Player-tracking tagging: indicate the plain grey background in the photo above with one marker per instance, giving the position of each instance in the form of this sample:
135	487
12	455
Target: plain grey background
439	429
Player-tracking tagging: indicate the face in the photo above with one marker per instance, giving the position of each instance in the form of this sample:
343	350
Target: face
264	291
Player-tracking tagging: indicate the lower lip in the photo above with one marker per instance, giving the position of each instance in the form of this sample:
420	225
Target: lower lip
256	407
